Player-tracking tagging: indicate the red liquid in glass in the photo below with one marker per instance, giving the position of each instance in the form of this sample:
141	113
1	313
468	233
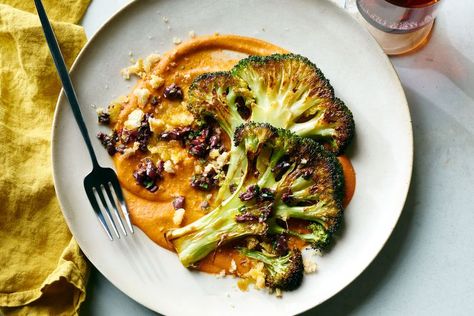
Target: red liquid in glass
413	3
398	16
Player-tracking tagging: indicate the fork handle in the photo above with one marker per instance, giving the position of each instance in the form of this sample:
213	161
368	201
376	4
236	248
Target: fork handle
65	78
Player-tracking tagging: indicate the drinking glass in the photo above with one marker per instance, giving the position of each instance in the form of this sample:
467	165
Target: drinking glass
399	26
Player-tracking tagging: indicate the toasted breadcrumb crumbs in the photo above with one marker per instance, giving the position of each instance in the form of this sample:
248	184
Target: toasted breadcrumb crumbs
252	242
178	216
142	95
168	166
157	126
278	293
243	284
181	119
256	275
134	119
233	266
129	151
135	69
198	169
309	266
156	82
150	60
214	153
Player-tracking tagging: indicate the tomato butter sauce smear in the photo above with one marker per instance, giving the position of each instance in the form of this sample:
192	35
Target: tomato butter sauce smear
153	212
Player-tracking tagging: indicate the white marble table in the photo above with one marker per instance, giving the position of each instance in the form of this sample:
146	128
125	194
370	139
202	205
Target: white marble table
427	266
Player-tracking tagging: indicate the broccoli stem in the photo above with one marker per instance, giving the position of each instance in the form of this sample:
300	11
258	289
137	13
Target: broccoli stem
238	165
196	240
316	237
316	212
314	127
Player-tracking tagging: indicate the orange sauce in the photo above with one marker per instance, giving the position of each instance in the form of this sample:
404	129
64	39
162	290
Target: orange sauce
349	179
153	212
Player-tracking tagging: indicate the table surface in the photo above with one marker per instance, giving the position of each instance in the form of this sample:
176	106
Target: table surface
427	266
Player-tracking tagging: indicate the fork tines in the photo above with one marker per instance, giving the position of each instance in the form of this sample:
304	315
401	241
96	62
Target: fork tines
108	202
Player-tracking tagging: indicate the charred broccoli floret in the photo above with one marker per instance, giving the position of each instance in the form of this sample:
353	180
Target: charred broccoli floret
282	272
286	91
272	164
221	96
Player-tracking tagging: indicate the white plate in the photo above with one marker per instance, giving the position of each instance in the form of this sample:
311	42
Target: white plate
381	153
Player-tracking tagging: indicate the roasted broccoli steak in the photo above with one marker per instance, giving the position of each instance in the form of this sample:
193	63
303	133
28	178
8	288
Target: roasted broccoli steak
273	175
285	90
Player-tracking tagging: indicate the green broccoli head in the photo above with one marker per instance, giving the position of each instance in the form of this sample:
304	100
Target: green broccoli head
220	96
271	165
332	126
286	91
291	92
282	272
313	190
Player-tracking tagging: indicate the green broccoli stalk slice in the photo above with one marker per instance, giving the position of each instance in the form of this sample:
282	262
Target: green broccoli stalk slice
284	272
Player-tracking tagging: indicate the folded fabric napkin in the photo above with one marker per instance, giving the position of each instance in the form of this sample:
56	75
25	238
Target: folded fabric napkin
42	270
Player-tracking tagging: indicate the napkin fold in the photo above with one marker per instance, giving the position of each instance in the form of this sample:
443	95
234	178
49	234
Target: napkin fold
42	270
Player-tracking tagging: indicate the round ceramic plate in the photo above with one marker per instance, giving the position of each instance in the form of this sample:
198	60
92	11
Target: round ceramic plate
361	75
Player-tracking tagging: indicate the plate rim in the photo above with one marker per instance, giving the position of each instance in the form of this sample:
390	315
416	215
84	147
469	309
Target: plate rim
403	194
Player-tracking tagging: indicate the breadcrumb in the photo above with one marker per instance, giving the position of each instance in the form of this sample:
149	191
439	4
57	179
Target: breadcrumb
233	266
177	40
192	34
135	69
214	153
134	120
129	151
178	216
157	126
257	275
150	60
142	96
156	81
278	292
309	266
168	166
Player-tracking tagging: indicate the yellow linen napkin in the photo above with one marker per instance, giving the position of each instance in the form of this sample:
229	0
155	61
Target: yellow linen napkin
42	270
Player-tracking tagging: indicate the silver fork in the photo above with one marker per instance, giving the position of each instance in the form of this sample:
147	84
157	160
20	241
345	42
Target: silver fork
100	179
